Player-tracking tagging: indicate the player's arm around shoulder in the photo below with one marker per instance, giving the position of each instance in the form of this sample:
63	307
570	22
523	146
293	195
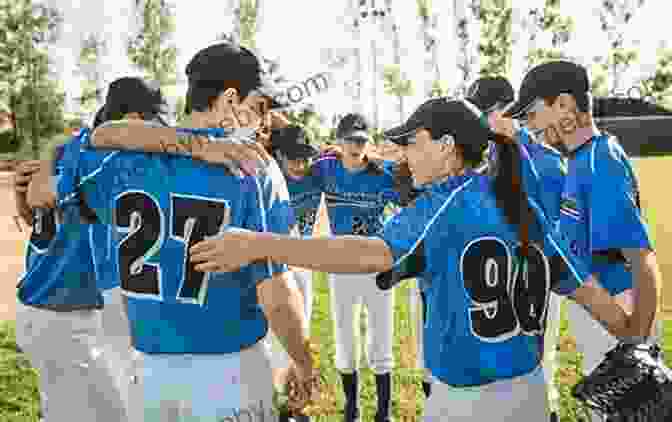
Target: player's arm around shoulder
144	136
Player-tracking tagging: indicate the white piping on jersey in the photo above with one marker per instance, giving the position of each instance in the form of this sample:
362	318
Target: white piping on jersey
432	220
592	157
93	254
264	224
534	168
88	177
548	236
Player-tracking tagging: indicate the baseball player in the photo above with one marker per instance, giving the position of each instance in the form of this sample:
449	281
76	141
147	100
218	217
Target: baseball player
495	94
131	99
198	335
58	311
484	322
296	154
599	213
357	191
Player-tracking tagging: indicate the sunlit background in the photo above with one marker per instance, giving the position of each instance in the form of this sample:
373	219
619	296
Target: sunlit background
304	37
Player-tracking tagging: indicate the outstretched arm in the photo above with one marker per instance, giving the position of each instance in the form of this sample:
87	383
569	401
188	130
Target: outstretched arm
340	254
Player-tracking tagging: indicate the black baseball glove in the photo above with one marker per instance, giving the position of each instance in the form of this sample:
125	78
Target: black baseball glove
631	384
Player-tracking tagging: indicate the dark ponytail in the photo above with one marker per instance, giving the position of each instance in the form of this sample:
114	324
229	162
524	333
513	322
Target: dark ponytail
509	190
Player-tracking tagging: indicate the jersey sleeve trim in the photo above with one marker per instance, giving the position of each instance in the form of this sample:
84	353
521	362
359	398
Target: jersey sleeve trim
431	221
264	224
579	275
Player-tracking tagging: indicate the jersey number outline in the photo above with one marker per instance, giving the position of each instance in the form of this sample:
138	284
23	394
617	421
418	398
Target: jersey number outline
45	226
192	219
506	300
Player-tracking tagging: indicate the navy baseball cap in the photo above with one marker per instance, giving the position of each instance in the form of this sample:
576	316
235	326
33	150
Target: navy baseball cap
226	61
292	141
489	92
460	119
547	80
133	95
353	127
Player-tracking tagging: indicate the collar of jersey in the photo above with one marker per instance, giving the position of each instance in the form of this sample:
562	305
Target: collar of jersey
583	146
450	183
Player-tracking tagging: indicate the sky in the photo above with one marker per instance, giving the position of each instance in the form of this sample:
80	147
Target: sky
297	33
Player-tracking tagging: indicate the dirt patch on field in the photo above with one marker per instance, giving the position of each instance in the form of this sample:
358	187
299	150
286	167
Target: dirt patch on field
12	242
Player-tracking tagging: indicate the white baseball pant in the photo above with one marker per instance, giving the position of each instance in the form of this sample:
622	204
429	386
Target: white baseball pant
521	399
75	380
348	293
235	387
117	339
551	336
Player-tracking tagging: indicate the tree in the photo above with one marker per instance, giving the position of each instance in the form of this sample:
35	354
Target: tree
248	23
495	41
153	49
399	86
659	86
551	20
614	16
89	60
39	113
27	29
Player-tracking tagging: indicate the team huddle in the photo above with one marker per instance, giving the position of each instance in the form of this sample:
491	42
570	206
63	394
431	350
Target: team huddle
169	271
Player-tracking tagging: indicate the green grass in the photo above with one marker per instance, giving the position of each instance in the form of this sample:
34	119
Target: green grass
19	395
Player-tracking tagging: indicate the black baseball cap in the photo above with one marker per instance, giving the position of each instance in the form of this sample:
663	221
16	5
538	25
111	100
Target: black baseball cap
99	118
547	80
292	141
353	127
227	61
488	92
133	95
444	116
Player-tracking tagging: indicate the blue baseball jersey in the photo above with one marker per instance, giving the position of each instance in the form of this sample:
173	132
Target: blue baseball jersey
59	265
356	199
600	214
304	195
544	172
485	322
160	205
107	276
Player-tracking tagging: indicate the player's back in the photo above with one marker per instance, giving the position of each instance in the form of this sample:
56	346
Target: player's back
59	268
160	206
484	312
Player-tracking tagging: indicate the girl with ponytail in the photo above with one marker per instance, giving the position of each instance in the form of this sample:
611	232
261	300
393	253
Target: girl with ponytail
484	244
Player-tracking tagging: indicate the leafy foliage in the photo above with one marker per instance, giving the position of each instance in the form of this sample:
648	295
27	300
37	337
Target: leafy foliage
248	23
27	29
495	41
550	19
659	86
153	49
89	55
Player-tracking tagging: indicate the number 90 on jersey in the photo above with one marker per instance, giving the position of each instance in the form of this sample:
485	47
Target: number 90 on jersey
507	299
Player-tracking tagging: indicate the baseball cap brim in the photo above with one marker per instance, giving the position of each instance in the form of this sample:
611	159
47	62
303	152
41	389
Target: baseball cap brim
401	135
357	136
517	109
299	151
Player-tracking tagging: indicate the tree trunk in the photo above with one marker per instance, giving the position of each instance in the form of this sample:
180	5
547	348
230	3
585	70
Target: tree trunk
396	47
